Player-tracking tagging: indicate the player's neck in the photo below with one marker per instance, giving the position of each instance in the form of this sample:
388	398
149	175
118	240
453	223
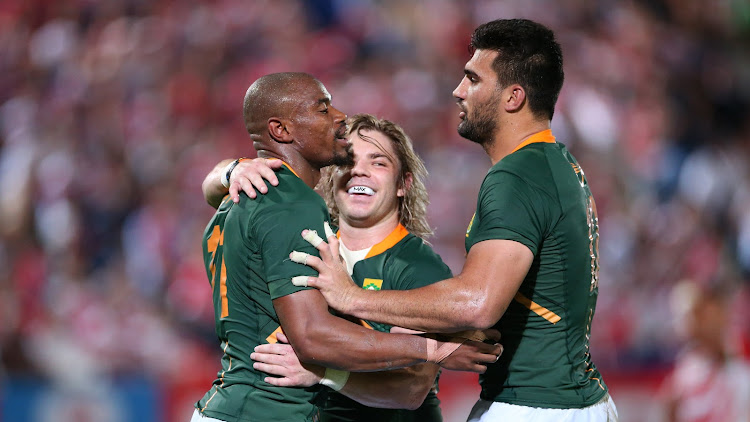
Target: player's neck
511	134
359	235
301	167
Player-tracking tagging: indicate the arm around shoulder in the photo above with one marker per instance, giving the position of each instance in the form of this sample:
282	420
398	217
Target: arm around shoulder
473	300
213	190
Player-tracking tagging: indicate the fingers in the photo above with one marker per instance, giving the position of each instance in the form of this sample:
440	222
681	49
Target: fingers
274	348
269	368
492	334
243	184
327	230
234	191
250	175
266	171
311	236
281	382
306	259
282	338
303	281
489	352
479	369
275	164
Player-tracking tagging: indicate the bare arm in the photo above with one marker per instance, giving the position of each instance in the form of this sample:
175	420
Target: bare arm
212	188
247	176
397	389
474	299
324	339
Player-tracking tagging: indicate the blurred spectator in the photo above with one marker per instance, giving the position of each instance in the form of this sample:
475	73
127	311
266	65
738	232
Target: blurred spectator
710	382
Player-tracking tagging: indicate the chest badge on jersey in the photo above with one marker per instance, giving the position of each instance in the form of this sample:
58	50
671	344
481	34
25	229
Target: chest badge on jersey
372	284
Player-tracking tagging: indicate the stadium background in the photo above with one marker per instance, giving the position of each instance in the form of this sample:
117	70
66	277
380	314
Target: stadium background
111	113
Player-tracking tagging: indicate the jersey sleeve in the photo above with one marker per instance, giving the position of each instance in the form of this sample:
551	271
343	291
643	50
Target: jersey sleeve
279	232
510	209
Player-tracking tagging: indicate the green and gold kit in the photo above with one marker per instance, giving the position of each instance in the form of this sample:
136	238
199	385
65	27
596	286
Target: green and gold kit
401	261
539	196
246	252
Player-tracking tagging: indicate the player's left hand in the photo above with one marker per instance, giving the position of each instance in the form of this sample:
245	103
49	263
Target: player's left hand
470	350
279	359
333	279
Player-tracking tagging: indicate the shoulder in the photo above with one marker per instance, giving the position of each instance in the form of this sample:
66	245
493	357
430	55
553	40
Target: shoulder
522	163
532	166
413	255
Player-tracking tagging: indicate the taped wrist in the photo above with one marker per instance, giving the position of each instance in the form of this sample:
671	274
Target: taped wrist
334	378
227	173
439	350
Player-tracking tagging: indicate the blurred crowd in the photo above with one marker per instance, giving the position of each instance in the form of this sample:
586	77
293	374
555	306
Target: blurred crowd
112	112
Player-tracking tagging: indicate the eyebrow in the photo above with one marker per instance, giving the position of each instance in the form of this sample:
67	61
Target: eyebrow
376	155
469	72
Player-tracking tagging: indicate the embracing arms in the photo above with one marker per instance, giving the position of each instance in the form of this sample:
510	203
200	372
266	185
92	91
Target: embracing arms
474	299
397	389
252	173
319	337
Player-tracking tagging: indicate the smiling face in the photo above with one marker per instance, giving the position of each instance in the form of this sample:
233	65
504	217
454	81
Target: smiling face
368	192
478	97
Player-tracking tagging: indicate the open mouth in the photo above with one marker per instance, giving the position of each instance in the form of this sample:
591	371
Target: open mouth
360	190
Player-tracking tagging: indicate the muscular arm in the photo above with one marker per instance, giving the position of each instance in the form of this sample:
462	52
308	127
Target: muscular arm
321	338
212	188
398	389
474	299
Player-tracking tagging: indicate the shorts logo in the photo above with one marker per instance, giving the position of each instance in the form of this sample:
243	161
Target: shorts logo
372	284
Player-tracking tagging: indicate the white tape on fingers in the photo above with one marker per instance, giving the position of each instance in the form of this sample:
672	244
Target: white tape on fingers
328	230
312	237
299	257
300	280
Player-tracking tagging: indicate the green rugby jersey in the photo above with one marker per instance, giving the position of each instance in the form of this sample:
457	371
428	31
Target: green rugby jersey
246	252
401	261
538	196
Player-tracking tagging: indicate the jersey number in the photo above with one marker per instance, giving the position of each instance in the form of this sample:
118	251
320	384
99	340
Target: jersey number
213	242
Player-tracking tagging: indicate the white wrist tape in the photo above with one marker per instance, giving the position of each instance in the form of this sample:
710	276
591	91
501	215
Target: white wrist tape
334	378
227	172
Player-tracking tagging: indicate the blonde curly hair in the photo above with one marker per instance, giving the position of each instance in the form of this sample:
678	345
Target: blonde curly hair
412	212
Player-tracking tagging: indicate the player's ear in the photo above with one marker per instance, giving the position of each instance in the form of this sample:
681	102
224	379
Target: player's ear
406	185
278	130
514	96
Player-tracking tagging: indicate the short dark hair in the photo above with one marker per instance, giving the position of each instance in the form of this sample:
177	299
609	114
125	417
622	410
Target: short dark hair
528	55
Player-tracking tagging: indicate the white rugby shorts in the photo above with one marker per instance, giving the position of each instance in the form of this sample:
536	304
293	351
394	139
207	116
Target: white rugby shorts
489	411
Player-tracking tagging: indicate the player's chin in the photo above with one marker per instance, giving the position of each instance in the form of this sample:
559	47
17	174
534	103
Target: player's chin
343	158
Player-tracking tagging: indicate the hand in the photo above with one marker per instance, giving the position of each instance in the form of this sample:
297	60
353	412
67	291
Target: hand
279	359
472	354
248	175
333	279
